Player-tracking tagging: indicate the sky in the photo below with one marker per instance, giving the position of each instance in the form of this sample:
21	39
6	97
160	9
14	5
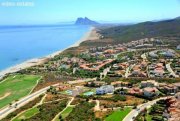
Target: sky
55	11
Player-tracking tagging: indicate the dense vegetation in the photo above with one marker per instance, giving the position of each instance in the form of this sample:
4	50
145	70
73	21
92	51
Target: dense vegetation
82	112
48	111
167	28
155	113
27	114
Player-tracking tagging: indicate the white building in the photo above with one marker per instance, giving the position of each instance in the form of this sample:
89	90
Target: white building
178	47
105	89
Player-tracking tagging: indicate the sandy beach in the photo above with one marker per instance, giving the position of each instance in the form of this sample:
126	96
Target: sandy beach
90	35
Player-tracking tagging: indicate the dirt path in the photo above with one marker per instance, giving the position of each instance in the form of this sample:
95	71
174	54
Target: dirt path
97	107
69	104
5	95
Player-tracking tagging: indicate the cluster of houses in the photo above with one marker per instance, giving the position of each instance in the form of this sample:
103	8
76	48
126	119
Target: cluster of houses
169	89
118	69
142	43
173	111
156	69
112	61
139	70
167	53
67	62
96	66
149	88
107	52
109	49
136	66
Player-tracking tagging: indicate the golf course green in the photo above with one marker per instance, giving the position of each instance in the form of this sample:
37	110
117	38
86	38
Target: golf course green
15	87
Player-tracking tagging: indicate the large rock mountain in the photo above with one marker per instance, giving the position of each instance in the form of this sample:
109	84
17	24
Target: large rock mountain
85	21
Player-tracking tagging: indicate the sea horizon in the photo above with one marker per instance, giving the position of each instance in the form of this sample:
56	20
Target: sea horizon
36	41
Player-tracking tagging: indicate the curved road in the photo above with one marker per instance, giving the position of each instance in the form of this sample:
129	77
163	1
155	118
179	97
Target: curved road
168	66
140	108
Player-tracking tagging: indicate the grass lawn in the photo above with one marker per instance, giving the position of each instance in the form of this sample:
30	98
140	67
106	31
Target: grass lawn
15	87
118	115
27	114
148	117
65	113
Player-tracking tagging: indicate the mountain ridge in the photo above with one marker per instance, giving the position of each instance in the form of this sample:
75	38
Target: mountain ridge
147	29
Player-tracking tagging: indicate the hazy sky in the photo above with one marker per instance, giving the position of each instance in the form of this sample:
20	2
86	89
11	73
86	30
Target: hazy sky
53	11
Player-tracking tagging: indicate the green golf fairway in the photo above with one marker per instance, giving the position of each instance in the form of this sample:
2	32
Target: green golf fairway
15	87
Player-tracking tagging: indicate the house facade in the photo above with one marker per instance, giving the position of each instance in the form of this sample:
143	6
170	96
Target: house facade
105	89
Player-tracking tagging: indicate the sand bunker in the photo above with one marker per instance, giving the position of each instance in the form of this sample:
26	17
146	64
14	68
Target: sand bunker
5	95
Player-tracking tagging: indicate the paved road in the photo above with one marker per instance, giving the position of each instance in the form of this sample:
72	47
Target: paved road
4	112
7	110
140	108
168	66
127	72
128	69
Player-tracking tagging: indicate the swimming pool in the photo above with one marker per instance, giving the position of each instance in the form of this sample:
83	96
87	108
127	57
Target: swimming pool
69	92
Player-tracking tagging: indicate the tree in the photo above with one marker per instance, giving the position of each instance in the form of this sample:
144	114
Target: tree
60	117
10	104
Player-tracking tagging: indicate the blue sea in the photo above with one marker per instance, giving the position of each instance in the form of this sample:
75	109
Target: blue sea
21	43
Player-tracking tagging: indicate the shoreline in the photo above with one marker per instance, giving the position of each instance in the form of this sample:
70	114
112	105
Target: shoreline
90	35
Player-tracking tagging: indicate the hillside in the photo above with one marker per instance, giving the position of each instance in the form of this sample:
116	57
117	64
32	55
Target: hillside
167	28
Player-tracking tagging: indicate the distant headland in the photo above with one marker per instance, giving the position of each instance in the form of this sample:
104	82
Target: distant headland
85	21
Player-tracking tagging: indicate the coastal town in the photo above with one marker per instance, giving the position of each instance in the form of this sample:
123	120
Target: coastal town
137	80
90	60
146	58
